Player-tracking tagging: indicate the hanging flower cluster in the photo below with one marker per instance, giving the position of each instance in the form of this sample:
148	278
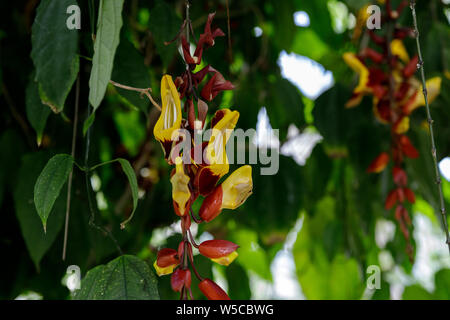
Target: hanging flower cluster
191	177
386	72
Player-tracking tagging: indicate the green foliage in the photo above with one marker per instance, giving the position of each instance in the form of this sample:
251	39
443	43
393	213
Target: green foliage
105	45
36	239
337	202
49	184
37	112
125	278
129	69
54	52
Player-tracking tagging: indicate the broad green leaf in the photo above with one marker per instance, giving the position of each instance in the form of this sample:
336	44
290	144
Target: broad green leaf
36	240
54	52
124	278
129	69
129	172
106	42
164	25
49	184
37	112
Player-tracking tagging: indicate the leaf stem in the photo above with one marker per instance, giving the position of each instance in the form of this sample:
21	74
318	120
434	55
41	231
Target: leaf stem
145	91
69	184
412	5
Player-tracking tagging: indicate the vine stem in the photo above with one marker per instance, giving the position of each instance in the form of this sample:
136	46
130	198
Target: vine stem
412	5
145	91
69	183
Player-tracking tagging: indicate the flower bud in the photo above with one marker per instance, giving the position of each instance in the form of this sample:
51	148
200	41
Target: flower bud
379	164
180	278
166	261
220	251
212	291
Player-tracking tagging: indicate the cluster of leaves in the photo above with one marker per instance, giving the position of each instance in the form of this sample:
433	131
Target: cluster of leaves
340	204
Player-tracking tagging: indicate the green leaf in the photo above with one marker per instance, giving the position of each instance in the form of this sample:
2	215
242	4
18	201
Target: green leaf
106	42
125	278
37	112
129	172
164	25
129	69
54	52
36	240
251	255
49	184
88	123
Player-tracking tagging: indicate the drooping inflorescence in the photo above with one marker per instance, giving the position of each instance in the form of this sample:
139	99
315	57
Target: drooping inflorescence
199	165
386	72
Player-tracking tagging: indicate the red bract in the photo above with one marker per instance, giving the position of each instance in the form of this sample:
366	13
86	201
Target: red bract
212	291
208	37
217	248
215	85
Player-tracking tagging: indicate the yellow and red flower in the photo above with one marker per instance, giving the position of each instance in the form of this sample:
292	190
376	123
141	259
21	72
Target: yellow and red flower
220	251
229	195
169	122
216	161
167	259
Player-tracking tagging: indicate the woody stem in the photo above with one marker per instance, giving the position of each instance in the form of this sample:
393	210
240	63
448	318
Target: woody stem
412	5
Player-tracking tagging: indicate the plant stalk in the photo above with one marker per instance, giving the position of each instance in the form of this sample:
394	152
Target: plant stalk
412	5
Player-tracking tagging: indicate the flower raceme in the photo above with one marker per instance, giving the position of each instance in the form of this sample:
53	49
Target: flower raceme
193	177
386	72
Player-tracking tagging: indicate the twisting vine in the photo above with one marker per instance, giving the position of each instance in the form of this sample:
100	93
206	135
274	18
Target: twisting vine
412	5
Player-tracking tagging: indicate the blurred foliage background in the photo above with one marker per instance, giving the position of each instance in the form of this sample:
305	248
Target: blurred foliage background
309	231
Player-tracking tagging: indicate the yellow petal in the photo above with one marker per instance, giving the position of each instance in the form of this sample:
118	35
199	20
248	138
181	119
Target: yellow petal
237	187
226	260
165	270
433	89
221	132
398	49
402	126
180	189
170	119
353	62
